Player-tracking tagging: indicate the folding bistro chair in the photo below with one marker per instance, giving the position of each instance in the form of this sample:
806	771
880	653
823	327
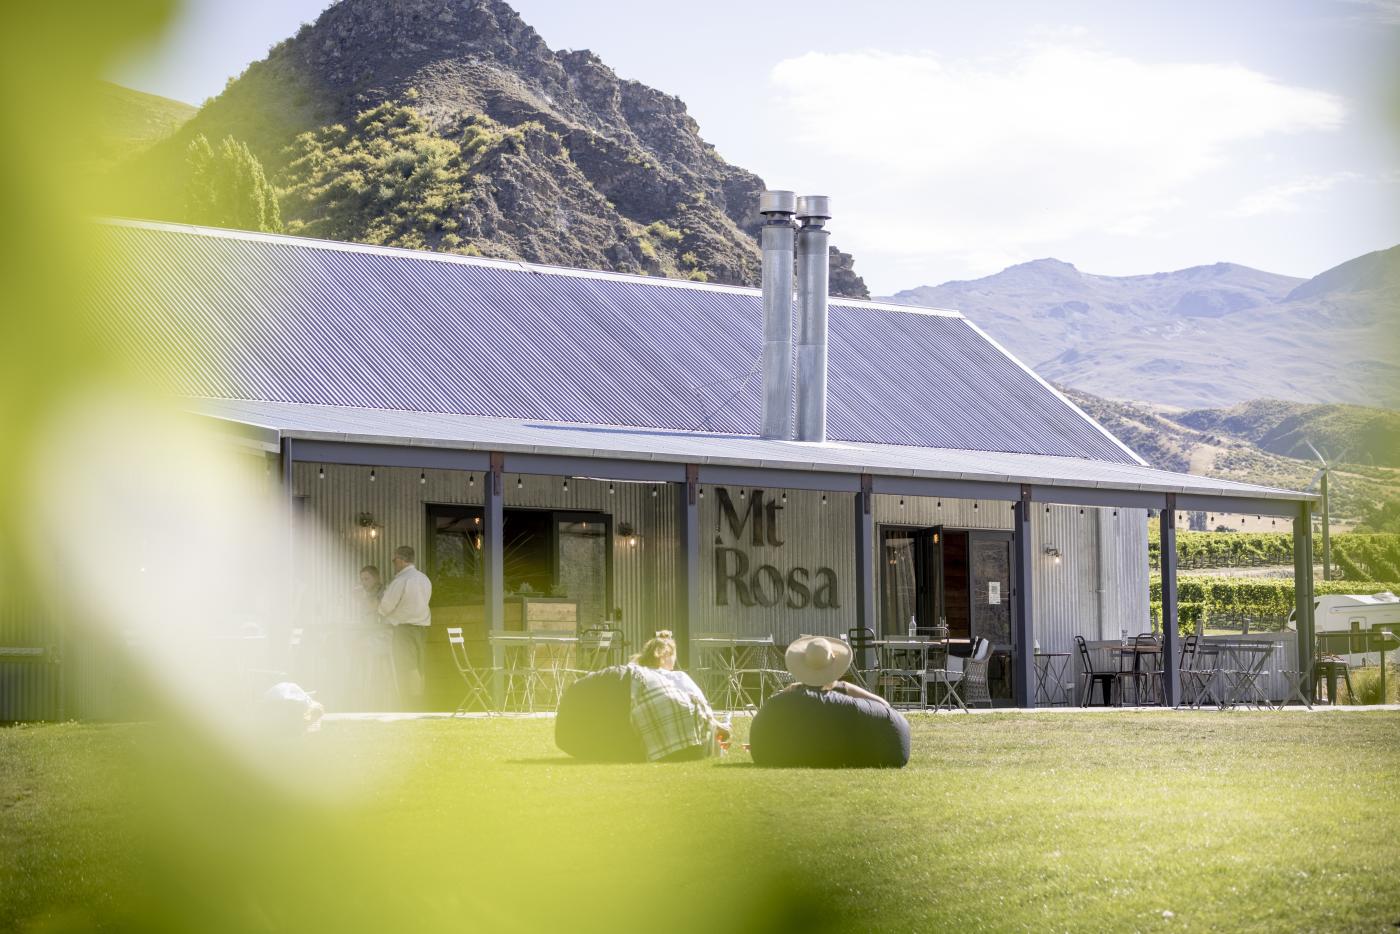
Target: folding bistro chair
477	691
947	680
899	682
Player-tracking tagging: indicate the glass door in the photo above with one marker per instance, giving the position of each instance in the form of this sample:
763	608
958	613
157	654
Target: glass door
911	579
583	565
928	594
990	568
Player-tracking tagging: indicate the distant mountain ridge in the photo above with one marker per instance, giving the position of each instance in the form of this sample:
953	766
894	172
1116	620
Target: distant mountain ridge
451	125
1263	442
1206	336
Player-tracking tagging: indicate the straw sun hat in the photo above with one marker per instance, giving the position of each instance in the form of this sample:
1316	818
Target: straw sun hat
817	660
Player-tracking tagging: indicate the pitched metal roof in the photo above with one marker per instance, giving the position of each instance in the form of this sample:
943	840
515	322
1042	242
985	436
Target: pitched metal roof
424	429
286	319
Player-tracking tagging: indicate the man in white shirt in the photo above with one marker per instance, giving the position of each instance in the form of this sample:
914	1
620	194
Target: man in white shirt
405	607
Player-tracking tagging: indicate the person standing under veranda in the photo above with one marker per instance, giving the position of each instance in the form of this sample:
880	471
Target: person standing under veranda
405	607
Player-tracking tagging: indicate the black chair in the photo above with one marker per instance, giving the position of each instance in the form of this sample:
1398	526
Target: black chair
1330	663
862	642
1108	680
1147	669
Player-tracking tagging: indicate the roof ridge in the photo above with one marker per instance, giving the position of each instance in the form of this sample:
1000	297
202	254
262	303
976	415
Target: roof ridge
492	262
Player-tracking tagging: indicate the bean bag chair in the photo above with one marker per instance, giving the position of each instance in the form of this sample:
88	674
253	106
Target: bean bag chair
812	728
594	722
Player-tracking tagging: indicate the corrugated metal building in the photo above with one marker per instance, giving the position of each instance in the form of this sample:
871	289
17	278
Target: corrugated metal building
405	396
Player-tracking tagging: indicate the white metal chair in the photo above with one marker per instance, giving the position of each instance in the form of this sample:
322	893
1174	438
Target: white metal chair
946	674
477	691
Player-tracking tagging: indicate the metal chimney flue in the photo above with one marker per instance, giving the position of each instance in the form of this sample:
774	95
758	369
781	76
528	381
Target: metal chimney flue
777	238
813	280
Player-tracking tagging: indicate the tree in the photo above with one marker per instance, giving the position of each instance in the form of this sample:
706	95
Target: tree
228	188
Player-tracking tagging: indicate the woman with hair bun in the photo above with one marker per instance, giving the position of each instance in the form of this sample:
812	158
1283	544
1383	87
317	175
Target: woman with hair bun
669	711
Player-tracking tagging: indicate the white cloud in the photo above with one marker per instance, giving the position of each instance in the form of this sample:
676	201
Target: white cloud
989	156
1286	198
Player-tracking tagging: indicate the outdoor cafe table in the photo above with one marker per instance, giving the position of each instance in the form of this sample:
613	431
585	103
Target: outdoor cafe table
1234	667
526	662
1050	670
912	655
723	662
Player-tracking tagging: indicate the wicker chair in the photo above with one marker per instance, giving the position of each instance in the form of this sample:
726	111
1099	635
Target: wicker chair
974	682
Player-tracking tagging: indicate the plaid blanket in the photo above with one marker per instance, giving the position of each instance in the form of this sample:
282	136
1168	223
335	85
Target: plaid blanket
669	711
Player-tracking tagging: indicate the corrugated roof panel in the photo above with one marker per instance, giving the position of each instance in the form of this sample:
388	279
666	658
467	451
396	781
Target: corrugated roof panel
292	320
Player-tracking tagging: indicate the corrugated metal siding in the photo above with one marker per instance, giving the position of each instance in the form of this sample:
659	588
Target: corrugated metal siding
814	536
334	546
502	434
291	320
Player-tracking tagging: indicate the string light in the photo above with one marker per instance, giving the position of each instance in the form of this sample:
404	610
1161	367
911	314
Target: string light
653	492
519	483
976	505
940	504
701	491
371	476
471	479
566	484
785	496
901	502
823	499
610	489
422	478
321	474
1115	514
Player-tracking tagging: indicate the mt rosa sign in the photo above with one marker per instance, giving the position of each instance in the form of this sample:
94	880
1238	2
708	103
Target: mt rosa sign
737	579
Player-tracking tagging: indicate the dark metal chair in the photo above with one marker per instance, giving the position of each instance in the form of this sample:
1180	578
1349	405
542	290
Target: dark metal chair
1109	681
862	642
1331	646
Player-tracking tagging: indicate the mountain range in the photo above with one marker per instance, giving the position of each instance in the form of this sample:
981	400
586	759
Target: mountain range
451	125
1207	336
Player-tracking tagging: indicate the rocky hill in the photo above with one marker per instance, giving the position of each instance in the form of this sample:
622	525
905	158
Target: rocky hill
1200	337
451	124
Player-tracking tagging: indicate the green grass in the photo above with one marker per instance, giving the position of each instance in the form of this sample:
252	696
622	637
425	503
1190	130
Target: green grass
1240	821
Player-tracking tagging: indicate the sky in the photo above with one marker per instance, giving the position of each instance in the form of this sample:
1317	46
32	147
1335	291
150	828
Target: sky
956	139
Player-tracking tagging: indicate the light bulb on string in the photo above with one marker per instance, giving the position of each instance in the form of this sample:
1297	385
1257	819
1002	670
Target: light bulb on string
520	483
566	484
610	489
653	491
321	474
371	476
422	478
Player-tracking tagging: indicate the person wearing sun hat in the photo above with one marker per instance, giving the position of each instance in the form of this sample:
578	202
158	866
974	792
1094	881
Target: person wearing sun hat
821	721
819	662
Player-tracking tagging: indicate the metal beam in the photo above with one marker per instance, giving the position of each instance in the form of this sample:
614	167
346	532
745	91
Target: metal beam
604	468
865	558
780	479
688	562
1303	622
389	455
1171	626
1236	505
493	590
1023	604
1099	497
947	489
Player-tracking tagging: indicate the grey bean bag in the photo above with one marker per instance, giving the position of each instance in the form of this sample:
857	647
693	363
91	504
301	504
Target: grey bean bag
812	728
594	720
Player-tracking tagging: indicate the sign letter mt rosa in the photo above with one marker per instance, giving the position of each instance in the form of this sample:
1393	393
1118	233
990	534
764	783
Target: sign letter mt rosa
736	577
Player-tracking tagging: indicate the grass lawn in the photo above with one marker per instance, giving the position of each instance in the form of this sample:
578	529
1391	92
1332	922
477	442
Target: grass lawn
1133	821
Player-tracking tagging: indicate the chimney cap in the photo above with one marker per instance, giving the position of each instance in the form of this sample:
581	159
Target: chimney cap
814	206
777	202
